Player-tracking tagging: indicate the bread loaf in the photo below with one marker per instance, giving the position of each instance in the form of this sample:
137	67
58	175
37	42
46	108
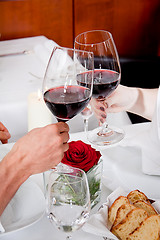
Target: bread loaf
148	230
134	218
113	209
146	206
122	212
132	221
136	195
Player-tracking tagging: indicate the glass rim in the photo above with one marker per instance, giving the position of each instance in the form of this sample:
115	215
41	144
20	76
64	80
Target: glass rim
62	171
110	38
72	49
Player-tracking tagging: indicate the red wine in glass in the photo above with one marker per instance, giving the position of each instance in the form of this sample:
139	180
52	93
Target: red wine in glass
67	102
104	82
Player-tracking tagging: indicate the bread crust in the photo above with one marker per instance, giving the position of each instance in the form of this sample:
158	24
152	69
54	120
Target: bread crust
149	229
134	218
146	206
122	213
137	195
116	204
132	221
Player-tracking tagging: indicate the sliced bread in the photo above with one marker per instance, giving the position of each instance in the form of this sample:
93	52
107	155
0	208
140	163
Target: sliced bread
132	220
122	212
148	230
146	206
116	204
137	195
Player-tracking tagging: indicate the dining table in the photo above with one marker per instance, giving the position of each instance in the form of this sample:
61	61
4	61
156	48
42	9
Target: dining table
121	168
22	68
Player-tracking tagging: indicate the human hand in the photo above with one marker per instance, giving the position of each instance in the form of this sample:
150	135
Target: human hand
42	148
4	134
99	109
122	99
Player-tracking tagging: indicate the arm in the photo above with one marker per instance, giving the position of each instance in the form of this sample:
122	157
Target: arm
144	103
38	151
135	100
4	133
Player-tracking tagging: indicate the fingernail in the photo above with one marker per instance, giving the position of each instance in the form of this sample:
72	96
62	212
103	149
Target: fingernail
102	120
102	108
103	116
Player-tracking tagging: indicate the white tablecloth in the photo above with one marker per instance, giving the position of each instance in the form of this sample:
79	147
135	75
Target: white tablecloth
43	229
16	82
122	167
22	74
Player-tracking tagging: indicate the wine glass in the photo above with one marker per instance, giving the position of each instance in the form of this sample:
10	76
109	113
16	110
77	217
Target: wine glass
62	91
107	75
86	114
68	198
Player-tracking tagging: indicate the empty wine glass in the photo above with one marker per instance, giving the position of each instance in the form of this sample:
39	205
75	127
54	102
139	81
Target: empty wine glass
68	198
107	75
62	91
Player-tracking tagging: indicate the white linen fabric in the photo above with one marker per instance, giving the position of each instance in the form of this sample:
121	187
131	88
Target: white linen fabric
62	63
148	141
98	223
44	50
151	151
2	230
17	80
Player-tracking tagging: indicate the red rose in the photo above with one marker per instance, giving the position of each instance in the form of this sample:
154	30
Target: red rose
81	155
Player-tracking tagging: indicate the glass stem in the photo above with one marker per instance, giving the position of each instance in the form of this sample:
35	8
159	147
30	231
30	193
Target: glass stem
105	131
85	125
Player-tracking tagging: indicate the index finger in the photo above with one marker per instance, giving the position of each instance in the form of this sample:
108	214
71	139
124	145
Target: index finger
63	127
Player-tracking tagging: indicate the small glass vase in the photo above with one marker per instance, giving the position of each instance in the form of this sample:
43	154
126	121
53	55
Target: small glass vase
94	180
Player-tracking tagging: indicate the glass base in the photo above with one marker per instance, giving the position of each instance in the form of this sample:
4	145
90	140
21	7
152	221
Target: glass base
113	135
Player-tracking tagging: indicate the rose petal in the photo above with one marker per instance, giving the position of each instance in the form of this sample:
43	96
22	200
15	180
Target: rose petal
81	155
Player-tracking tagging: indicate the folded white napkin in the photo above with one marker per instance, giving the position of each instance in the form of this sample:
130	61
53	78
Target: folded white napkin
63	64
2	230
98	223
148	140
43	51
